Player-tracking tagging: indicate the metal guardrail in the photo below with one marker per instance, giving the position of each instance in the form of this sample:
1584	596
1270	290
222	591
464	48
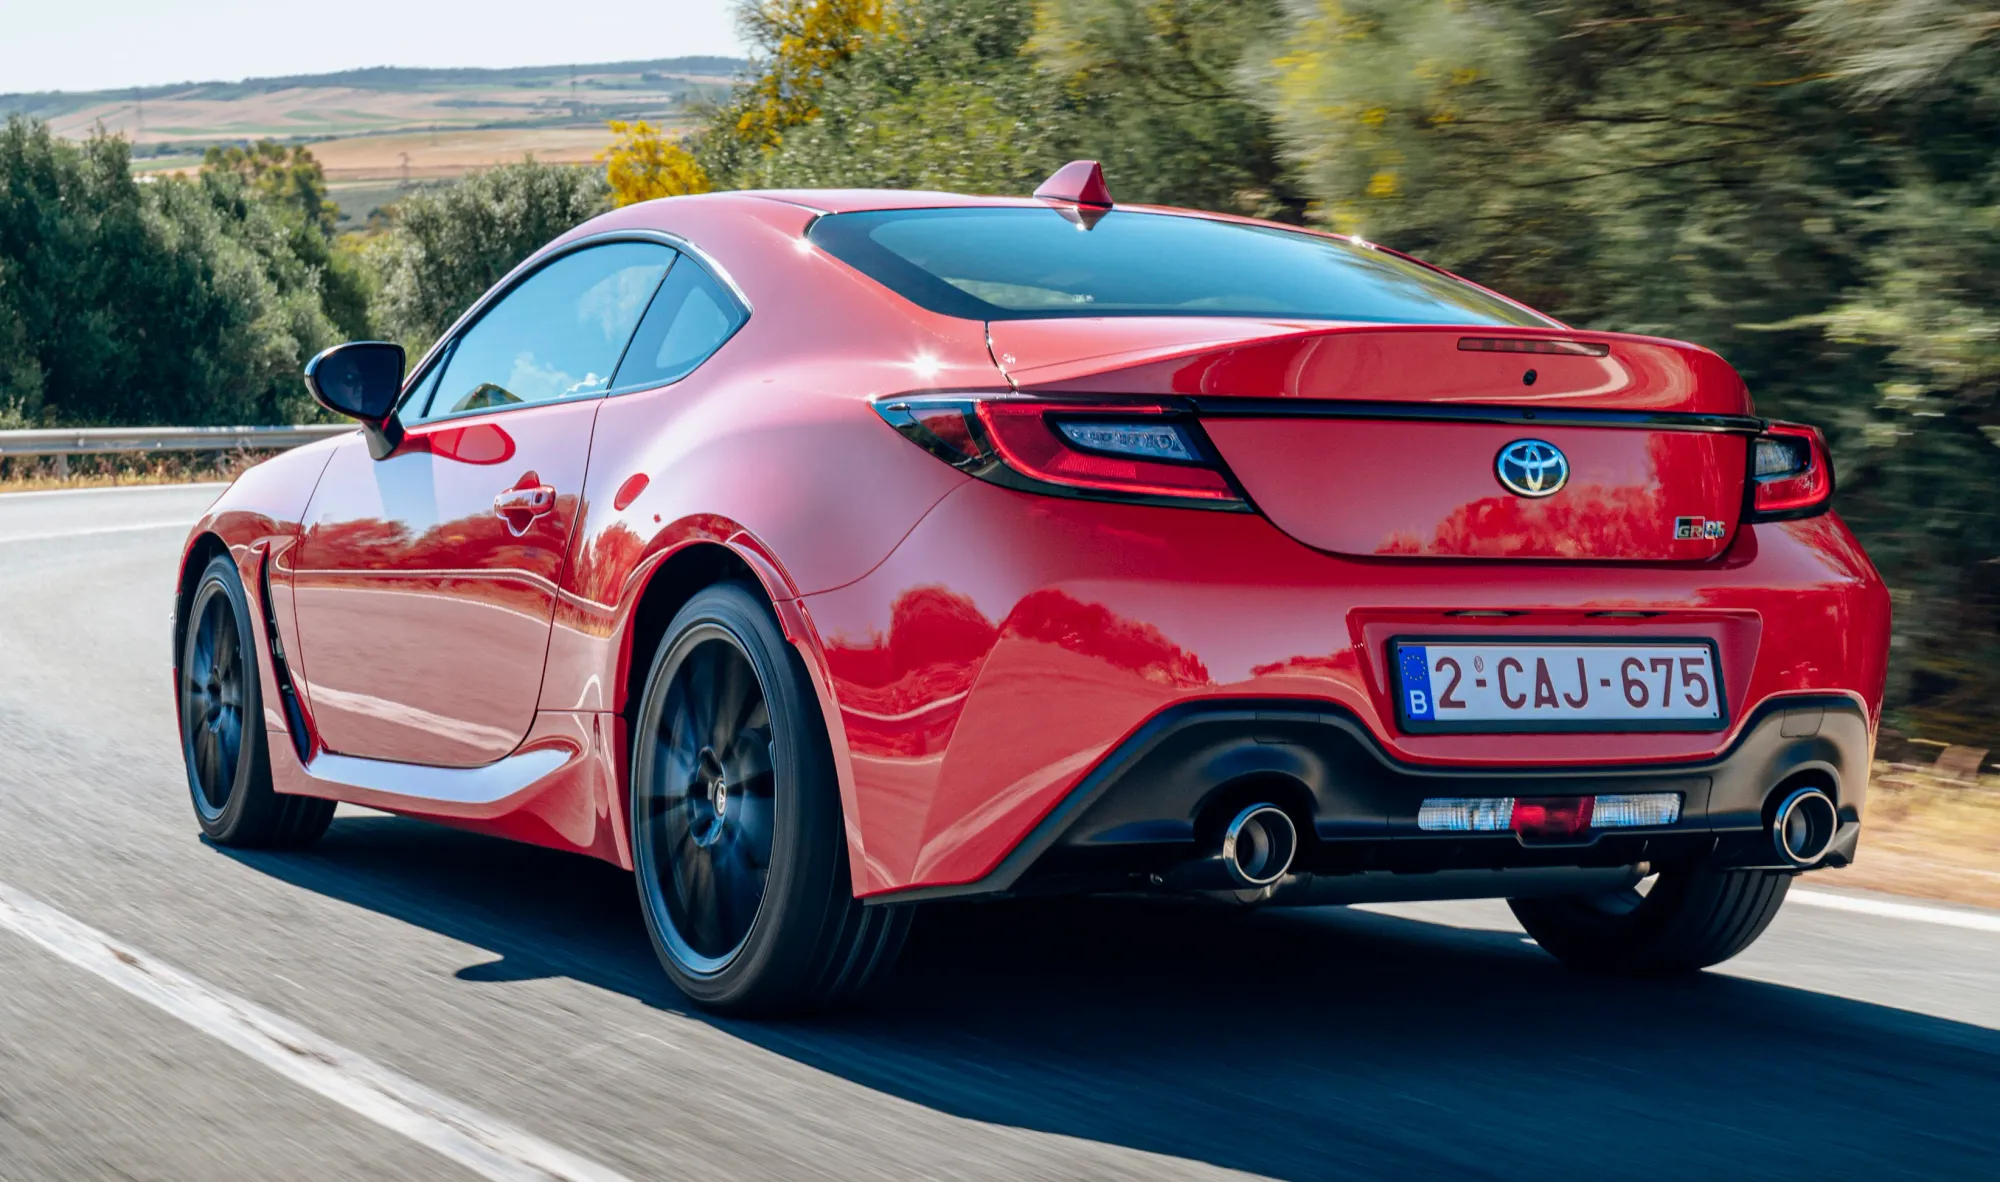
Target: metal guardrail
98	441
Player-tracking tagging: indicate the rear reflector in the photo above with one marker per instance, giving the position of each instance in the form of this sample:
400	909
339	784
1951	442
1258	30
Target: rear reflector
1548	816
1636	810
1489	814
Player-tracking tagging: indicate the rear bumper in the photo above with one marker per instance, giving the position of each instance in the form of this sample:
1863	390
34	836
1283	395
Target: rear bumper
1158	802
1012	643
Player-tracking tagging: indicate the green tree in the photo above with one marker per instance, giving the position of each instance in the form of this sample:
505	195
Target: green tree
446	246
124	303
289	176
941	99
1169	106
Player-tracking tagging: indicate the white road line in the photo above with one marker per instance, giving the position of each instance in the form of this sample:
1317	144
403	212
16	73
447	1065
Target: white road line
116	488
103	529
482	1144
1977	921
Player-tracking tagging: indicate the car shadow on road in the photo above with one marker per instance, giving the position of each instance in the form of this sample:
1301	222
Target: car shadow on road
1306	1044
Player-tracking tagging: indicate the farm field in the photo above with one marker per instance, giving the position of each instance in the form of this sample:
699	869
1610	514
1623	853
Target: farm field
378	131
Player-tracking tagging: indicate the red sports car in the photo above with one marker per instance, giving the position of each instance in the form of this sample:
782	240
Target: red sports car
817	553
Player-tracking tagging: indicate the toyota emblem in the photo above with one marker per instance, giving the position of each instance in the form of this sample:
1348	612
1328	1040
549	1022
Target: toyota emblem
1532	468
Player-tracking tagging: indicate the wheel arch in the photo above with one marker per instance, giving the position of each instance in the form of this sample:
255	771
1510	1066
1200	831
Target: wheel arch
201	551
667	585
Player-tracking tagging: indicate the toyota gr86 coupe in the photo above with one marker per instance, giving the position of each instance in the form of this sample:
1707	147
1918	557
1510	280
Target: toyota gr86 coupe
815	554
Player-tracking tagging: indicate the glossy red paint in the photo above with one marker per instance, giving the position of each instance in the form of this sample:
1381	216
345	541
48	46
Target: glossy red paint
425	584
1080	182
975	649
979	681
1433	491
1364	363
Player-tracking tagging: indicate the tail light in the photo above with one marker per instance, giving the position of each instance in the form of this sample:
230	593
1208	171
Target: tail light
1791	473
1142	453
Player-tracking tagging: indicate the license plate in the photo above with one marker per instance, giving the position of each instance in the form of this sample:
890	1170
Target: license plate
1449	685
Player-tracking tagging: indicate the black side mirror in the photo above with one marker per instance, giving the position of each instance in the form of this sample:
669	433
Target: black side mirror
362	380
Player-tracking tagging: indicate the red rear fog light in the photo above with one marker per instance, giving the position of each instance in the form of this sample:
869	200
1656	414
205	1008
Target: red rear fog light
1553	818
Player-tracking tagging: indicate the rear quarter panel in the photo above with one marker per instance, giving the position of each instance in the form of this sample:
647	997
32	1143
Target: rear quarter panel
771	447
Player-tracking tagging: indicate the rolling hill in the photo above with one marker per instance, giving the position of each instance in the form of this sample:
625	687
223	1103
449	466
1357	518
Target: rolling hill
381	130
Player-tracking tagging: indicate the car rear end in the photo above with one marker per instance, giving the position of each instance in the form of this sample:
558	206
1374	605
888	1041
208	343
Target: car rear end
1319	575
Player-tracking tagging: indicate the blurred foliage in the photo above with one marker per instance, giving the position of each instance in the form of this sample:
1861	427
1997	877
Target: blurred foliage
1165	102
801	43
446	246
1808	188
180	301
644	164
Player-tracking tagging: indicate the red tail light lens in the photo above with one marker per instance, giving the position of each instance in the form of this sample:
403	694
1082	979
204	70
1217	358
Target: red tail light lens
1791	473
1144	453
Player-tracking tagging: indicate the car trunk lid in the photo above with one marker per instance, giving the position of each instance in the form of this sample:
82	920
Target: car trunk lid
1375	440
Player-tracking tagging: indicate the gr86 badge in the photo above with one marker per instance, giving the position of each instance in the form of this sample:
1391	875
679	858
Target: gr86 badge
1697	528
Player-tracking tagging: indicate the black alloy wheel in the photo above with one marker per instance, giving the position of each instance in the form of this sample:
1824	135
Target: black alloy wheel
214	682
223	741
737	836
710	806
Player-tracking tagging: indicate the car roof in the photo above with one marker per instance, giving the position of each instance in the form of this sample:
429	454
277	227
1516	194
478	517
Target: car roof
857	200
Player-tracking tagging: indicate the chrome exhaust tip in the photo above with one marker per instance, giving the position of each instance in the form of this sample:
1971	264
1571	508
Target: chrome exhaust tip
1259	845
1804	826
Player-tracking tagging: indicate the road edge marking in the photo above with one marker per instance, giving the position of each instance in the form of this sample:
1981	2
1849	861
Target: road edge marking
1977	921
483	1144
114	488
97	530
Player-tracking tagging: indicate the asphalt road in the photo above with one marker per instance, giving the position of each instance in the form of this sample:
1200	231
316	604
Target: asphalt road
1101	1040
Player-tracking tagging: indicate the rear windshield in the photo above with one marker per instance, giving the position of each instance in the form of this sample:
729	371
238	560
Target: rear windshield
1020	264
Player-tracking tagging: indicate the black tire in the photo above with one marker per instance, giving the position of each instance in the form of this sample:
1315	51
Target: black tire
1694	917
737	833
223	741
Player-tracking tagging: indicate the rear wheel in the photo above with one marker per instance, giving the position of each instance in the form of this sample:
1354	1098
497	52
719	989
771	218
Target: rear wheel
222	725
1693	917
737	836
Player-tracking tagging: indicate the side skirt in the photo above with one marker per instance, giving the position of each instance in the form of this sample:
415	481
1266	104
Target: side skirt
558	789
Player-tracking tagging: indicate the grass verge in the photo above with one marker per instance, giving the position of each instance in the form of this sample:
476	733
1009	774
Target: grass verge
1927	835
39	475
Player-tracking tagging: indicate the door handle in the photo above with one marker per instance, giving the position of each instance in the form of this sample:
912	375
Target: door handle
519	507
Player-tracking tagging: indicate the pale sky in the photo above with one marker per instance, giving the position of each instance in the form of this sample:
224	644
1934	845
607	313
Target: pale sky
108	44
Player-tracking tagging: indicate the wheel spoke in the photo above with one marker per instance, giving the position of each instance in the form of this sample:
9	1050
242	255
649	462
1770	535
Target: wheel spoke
750	761
673	770
711	741
738	686
699	699
206	760
229	738
225	645
754	826
201	662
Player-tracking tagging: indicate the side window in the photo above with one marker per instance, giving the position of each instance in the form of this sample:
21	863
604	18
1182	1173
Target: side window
556	335
691	318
